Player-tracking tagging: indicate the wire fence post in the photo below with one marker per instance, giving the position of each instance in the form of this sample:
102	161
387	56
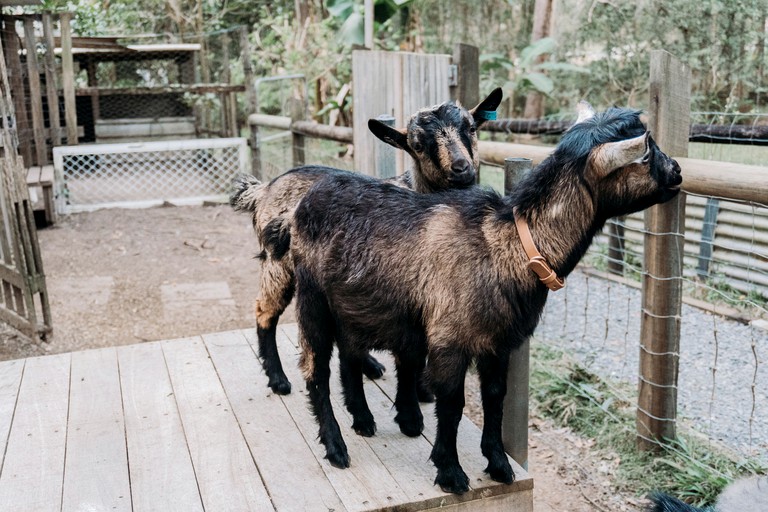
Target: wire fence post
663	261
514	428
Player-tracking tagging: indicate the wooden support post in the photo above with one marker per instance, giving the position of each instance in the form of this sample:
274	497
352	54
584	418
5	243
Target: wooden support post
386	166
368	23
297	114
68	78
251	101
93	82
616	246
707	238
467	60
51	85
663	248
12	48
35	92
514	428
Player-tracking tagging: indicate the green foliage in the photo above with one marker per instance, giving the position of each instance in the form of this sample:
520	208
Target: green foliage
686	467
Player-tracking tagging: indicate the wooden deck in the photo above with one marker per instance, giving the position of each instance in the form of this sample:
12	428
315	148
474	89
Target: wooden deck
190	425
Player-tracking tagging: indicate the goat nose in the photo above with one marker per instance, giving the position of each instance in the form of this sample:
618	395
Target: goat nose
461	166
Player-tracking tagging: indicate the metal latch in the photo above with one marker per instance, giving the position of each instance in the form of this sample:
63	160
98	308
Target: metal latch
453	75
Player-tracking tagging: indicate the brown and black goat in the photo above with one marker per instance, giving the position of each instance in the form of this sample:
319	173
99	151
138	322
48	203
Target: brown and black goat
445	277
443	143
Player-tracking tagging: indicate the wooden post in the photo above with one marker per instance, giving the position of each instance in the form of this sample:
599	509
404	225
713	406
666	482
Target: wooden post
68	78
51	86
467	60
297	114
251	101
385	154
368	23
12	48
514	428
616	246
663	248
35	92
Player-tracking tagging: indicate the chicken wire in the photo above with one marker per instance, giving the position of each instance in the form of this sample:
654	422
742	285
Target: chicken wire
96	176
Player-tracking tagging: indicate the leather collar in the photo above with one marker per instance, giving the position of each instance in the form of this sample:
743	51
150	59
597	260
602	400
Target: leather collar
536	261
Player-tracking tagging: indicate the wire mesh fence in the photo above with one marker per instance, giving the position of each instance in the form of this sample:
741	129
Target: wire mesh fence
131	175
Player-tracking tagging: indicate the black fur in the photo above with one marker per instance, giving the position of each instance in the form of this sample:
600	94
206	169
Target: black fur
276	238
665	503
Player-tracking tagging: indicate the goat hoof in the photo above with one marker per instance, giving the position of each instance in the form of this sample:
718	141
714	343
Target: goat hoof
338	457
364	428
454	481
411	427
372	368
280	386
425	395
501	473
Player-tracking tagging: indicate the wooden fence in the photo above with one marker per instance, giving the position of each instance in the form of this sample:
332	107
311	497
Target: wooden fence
662	297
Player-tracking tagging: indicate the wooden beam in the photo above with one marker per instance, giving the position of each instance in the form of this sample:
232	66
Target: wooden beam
662	294
51	86
13	62
68	78
35	92
739	182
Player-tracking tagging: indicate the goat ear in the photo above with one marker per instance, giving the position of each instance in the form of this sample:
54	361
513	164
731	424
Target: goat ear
613	155
585	111
486	109
392	136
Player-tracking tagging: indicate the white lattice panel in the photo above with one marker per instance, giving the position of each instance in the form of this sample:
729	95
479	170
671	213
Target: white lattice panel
136	175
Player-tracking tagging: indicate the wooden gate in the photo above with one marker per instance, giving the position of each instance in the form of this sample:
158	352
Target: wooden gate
396	84
23	296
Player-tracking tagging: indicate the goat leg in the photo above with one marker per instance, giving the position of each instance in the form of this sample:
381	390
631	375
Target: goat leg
350	367
493	387
372	368
270	359
409	417
447	376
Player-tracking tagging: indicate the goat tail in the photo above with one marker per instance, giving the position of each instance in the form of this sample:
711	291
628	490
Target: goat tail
664	503
247	191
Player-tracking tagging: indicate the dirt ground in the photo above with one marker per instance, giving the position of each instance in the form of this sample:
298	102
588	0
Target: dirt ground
118	277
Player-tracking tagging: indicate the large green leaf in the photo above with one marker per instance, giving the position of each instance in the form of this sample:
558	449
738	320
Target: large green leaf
540	82
352	31
535	49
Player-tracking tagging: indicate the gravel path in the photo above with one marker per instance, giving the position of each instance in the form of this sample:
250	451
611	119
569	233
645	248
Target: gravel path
598	321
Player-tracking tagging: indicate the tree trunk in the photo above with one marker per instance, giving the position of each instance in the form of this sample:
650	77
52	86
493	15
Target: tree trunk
542	13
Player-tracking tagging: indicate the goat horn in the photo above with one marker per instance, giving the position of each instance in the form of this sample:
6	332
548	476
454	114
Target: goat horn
613	155
585	111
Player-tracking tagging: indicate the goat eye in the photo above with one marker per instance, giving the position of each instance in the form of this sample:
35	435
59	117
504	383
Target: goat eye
472	129
416	146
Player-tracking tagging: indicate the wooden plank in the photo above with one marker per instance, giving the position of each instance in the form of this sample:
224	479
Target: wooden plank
10	379
406	458
226	473
51	86
162	477
670	91
96	471
68	78
273	438
373	85
466	58
366	484
46	175
35	92
33	175
33	469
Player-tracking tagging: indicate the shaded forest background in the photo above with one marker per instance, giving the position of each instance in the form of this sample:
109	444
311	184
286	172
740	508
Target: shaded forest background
547	54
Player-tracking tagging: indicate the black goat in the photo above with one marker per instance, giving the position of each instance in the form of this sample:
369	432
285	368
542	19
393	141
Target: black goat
443	143
446	275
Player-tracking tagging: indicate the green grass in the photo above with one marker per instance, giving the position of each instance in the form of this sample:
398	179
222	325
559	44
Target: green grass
688	468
